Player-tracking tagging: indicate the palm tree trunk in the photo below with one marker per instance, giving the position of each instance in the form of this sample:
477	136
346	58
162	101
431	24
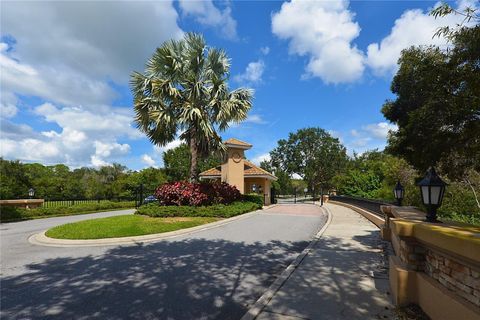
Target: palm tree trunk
194	161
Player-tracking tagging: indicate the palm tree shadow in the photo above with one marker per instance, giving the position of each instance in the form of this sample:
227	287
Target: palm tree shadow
188	279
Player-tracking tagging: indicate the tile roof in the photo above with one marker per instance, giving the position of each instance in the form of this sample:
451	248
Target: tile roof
217	171
253	170
238	142
249	170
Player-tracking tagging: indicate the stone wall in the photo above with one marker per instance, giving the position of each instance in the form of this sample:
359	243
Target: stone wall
435	265
454	275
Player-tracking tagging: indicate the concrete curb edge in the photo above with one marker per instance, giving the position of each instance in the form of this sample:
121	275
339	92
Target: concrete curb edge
265	298
42	240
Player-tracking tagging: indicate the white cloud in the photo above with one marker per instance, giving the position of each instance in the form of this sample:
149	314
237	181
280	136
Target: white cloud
85	138
336	134
99	40
8	110
106	121
414	27
98	162
171	145
146	159
207	14
297	176
58	84
369	137
255	118
15	131
323	31
265	50
64	53
379	130
262	157
253	73
105	150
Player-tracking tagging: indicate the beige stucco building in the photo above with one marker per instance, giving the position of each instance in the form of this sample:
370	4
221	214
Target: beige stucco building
238	171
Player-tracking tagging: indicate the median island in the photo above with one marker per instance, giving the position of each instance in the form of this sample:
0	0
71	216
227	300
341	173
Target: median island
178	212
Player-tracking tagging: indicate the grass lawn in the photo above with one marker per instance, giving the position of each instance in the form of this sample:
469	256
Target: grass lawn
124	226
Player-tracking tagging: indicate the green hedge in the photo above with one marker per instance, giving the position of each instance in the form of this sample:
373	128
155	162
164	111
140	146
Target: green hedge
15	214
218	210
253	197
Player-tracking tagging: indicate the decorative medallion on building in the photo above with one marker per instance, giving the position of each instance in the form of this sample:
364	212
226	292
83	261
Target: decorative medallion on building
236	157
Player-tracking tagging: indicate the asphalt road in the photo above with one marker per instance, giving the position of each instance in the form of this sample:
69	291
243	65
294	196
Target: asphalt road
211	274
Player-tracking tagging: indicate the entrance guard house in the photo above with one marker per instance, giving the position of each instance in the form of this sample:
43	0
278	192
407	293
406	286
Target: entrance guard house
241	173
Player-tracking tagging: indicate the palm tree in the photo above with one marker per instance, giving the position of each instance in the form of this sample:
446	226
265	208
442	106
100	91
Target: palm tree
184	91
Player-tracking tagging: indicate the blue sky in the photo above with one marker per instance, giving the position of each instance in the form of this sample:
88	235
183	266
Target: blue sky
66	65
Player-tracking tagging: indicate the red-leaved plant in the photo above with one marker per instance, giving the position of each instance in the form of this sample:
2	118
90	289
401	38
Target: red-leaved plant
183	193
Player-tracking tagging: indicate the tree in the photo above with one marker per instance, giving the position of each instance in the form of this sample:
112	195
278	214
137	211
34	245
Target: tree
15	182
177	162
184	90
374	174
437	108
311	153
283	185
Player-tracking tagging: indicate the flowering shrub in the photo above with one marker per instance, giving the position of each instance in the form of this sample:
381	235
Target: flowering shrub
184	193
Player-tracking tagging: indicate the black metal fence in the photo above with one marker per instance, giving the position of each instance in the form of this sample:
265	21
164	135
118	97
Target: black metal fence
139	195
50	203
367	204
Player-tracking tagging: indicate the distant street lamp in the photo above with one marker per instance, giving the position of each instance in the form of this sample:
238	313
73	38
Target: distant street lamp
31	193
432	189
399	193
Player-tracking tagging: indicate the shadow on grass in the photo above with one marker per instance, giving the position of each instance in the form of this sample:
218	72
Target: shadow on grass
190	279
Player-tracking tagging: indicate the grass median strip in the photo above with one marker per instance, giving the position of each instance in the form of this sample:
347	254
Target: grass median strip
124	226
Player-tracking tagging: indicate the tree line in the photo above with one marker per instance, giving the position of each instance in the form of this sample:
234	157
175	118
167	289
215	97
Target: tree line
114	181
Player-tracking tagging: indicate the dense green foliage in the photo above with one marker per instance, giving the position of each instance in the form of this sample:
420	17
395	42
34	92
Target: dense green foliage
176	162
313	154
184	90
255	198
437	106
218	210
285	184
437	111
59	182
15	214
123	226
374	174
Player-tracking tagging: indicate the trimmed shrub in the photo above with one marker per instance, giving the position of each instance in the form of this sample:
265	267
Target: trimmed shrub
253	197
183	193
217	210
15	214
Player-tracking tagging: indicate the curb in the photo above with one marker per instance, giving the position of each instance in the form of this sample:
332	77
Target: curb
255	310
373	218
42	240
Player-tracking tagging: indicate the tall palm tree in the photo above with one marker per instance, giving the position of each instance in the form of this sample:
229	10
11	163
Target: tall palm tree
184	91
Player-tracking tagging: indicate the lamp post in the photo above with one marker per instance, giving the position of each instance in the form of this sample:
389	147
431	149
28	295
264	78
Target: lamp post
432	189
31	193
399	192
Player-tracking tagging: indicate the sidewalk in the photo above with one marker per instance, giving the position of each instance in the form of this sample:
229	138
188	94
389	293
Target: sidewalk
345	275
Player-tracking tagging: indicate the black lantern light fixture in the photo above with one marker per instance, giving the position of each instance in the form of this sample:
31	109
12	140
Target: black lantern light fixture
399	193
31	193
432	189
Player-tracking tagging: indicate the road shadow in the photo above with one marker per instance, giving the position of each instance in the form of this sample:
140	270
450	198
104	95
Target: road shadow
343	278
188	279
